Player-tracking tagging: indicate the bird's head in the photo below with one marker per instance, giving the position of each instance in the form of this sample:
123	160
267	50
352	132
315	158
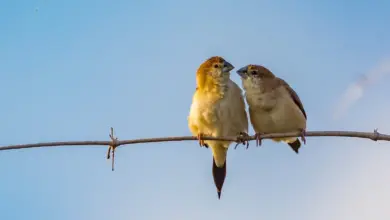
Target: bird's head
214	70
254	75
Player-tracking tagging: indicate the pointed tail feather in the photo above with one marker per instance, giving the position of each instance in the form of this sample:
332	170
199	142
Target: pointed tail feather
219	174
295	145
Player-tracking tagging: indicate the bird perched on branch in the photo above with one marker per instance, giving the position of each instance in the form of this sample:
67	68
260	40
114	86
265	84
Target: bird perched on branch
217	109
274	107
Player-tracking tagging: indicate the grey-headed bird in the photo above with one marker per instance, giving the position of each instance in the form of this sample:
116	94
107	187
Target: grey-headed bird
274	107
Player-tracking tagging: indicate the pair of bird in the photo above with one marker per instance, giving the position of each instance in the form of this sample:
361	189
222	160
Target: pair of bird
218	109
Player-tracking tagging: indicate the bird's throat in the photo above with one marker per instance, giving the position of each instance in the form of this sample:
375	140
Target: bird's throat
214	85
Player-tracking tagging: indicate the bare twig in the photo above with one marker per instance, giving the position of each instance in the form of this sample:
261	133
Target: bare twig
114	143
367	135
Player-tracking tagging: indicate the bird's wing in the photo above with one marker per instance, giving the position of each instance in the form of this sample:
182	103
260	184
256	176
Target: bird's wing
293	94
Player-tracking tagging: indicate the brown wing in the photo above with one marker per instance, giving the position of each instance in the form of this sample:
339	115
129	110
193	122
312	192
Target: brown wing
293	94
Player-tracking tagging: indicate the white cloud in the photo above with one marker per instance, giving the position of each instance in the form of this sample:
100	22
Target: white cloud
355	91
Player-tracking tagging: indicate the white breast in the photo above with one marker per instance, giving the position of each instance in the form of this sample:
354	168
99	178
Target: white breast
210	115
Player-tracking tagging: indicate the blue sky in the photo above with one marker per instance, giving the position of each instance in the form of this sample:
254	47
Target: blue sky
72	69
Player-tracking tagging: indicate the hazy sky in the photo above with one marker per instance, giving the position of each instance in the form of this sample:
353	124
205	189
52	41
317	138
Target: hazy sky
72	69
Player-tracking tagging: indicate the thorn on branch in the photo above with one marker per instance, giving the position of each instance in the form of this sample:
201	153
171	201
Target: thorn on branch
376	135
112	147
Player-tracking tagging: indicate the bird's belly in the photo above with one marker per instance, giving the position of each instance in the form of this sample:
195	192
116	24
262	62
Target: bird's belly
281	118
262	121
212	119
288	117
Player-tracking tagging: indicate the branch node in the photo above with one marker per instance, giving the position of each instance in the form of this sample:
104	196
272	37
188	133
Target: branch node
114	144
376	135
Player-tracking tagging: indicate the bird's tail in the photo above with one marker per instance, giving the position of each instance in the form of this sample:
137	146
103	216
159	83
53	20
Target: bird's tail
294	143
219	174
219	167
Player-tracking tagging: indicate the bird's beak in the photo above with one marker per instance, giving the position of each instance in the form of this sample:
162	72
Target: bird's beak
242	71
227	67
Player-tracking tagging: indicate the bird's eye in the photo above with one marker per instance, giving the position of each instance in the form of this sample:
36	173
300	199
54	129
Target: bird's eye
254	73
216	66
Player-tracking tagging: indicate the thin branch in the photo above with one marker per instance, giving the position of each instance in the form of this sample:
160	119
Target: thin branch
114	143
354	134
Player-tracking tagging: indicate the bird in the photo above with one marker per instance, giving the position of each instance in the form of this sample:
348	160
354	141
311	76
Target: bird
217	109
274	107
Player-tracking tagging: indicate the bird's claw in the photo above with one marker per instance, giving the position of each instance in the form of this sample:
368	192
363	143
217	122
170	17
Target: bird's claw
258	139
201	141
303	134
242	139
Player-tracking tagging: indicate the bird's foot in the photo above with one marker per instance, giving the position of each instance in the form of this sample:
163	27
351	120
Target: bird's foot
242	138
259	138
201	141
303	134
